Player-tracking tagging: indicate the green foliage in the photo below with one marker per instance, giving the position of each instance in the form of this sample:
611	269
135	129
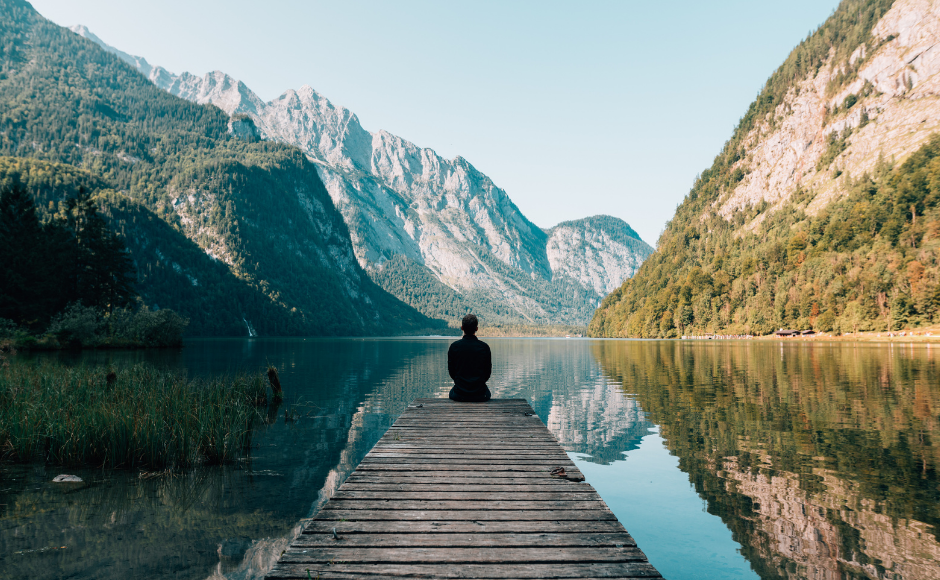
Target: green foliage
139	417
36	264
855	250
840	430
76	323
263	234
869	261
414	284
153	328
836	145
72	258
82	326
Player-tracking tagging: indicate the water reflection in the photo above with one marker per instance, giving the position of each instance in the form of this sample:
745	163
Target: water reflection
820	458
234	522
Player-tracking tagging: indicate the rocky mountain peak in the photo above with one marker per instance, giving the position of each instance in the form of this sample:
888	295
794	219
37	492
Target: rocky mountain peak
445	217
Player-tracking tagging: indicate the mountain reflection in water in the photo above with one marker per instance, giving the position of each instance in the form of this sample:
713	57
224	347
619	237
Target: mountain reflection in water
818	458
821	458
234	521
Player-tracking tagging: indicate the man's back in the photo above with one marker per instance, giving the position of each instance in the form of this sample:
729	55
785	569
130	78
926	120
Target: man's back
470	364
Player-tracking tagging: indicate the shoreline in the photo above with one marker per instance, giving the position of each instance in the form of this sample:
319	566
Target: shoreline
924	335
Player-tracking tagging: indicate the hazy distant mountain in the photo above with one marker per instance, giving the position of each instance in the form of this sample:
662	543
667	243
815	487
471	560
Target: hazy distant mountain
420	221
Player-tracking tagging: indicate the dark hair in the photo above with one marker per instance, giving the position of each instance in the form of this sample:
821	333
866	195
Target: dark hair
469	323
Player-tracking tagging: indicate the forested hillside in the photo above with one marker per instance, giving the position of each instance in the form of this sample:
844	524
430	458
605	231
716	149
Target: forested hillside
437	234
747	253
220	229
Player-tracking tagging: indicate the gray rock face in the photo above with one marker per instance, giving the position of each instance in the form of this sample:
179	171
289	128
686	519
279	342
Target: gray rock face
896	96
244	128
399	199
600	252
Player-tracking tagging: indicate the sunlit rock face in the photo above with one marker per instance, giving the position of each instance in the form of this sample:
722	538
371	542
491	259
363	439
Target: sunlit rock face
897	107
400	199
599	251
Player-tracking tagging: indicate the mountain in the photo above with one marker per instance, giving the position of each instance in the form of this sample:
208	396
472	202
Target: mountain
822	209
436	233
231	232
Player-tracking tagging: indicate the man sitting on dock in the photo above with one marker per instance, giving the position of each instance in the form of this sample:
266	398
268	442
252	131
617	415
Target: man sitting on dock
470	364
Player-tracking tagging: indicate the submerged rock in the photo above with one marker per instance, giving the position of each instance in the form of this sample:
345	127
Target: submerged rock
65	478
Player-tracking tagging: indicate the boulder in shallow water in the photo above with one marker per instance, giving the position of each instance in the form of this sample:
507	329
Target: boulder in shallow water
65	478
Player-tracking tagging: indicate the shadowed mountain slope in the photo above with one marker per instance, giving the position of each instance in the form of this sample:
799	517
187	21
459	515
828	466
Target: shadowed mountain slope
257	211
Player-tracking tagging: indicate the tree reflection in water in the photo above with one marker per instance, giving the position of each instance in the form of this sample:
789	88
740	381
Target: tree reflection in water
821	458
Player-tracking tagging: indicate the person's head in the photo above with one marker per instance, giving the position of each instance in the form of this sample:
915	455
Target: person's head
469	324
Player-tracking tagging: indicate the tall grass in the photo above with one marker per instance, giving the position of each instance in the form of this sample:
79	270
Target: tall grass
134	417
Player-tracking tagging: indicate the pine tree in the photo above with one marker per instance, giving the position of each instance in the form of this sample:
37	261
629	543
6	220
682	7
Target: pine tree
106	273
36	262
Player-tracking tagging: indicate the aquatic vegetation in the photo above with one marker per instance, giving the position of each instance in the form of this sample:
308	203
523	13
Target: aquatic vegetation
138	416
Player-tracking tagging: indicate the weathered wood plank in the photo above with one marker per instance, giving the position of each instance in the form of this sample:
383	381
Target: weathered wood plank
549	462
463	515
398	494
380	485
461	504
455	478
500	455
540	468
477	540
481	447
456	490
488	571
443	527
462	555
417	472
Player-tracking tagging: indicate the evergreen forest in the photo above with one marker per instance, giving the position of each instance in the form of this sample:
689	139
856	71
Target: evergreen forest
868	261
206	216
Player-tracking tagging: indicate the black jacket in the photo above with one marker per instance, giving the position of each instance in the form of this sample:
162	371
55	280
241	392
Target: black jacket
469	363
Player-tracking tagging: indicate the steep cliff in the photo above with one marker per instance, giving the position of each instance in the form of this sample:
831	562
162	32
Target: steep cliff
412	214
822	209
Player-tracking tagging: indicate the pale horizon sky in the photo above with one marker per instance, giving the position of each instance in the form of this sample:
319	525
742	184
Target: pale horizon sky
573	109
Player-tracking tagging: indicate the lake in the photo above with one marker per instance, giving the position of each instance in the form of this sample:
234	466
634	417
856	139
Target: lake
724	459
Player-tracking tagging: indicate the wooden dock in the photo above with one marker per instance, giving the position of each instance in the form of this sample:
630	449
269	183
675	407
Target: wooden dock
465	490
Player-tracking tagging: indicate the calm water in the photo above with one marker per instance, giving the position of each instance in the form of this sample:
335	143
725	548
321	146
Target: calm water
723	459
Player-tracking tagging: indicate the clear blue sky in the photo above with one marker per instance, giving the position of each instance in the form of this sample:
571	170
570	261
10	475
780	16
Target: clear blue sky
574	109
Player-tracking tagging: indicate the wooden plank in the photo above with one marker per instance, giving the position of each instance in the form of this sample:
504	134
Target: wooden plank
397	493
440	527
462	515
462	555
452	479
461	504
548	463
455	490
498	454
477	540
464	472
472	477
379	485
421	447
482	571
541	468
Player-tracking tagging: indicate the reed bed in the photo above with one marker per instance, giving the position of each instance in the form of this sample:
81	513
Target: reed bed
134	417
